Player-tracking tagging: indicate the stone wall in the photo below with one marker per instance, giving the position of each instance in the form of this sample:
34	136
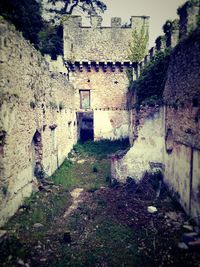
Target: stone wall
168	138
108	100
97	43
182	98
37	119
146	154
98	60
174	32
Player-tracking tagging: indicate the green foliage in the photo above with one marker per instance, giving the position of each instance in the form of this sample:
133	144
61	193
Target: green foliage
150	85
12	246
40	209
46	37
187	4
129	73
138	46
70	175
51	40
1	19
100	149
25	15
110	242
90	7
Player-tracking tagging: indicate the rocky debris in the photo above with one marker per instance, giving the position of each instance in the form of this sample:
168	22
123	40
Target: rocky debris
73	153
188	227
24	207
195	243
152	209
189	240
20	262
47	182
197	229
155	236
43	259
38	225
45	188
182	245
175	216
81	161
188	237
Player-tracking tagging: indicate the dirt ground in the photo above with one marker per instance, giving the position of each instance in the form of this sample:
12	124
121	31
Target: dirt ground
78	218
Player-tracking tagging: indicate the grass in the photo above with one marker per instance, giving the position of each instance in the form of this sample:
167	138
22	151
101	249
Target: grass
94	168
39	209
90	171
110	227
106	241
101	149
82	174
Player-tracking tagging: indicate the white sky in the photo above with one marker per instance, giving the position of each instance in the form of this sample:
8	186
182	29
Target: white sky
158	10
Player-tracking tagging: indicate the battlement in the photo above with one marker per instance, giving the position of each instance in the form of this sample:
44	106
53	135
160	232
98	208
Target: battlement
99	43
174	31
96	22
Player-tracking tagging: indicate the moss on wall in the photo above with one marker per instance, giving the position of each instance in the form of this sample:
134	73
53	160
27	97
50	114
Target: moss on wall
150	85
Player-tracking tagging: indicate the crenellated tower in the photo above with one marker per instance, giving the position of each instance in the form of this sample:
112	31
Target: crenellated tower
97	58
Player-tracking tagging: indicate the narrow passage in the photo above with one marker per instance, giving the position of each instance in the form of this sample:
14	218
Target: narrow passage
80	219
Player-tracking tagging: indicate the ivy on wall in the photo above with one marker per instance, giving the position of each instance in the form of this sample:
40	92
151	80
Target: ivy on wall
150	85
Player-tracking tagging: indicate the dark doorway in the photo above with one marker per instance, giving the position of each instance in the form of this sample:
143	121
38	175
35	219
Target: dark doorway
85	126
37	155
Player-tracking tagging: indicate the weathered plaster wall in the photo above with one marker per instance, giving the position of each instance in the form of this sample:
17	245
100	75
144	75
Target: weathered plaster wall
177	173
108	100
195	192
147	150
36	106
111	124
97	43
170	138
182	97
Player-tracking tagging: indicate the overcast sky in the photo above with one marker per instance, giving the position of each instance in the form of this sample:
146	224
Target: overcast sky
158	10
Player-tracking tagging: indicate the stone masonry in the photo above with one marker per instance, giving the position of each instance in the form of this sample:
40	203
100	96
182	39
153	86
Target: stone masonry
45	103
40	101
98	60
37	119
167	137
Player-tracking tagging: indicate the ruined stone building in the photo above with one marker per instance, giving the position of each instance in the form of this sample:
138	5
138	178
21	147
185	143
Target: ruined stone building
46	106
97	59
167	137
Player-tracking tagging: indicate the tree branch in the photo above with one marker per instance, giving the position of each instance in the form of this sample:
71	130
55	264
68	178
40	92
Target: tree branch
89	6
71	8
